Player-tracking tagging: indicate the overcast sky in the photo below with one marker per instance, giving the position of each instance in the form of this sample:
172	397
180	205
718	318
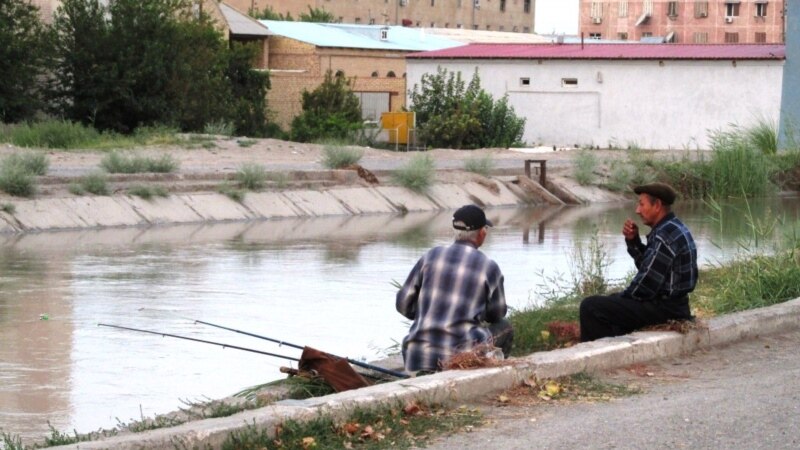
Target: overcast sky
559	16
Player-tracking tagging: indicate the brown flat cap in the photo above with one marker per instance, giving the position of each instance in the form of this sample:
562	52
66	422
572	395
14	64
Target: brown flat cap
661	191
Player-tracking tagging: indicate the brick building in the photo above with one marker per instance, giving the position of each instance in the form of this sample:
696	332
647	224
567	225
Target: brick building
300	53
684	21
493	15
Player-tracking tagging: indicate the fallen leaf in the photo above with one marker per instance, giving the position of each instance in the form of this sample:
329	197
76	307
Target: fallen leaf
552	388
530	382
351	427
309	442
368	432
503	398
412	409
347	444
545	335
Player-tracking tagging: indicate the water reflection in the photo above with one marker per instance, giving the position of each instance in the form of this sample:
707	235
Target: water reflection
323	282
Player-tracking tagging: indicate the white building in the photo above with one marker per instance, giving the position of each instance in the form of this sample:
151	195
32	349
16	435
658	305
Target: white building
621	95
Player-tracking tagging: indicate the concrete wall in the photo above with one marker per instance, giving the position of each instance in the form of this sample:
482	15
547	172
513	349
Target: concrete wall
652	104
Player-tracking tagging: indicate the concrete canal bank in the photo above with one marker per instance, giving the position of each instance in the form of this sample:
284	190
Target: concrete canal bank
346	198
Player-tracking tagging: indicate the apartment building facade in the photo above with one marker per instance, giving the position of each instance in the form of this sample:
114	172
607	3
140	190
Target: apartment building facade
492	15
685	21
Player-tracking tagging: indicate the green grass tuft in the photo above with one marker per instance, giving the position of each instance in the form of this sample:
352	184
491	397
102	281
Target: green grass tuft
8	208
337	156
95	183
251	176
219	128
148	192
52	134
417	174
17	181
482	165
585	165
116	162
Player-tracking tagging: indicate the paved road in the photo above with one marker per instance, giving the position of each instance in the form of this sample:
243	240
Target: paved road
746	396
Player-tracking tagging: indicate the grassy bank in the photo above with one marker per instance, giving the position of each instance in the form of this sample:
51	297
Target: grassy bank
764	272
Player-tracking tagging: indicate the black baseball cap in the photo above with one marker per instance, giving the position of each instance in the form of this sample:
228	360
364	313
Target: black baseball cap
470	217
661	191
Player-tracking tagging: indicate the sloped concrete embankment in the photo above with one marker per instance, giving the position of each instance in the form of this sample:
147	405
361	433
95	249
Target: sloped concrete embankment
458	386
129	211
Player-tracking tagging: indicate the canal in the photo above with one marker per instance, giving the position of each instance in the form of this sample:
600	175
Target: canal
323	282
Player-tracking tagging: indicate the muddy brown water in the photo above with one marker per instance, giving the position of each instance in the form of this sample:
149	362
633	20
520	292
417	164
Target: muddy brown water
322	282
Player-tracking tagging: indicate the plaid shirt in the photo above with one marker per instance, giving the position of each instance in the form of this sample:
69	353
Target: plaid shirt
448	293
667	265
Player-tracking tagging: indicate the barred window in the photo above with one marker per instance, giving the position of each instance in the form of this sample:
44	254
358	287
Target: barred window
732	38
672	9
700	9
623	8
761	38
701	38
597	10
648	7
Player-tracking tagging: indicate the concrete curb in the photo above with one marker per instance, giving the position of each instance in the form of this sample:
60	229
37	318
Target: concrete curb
458	386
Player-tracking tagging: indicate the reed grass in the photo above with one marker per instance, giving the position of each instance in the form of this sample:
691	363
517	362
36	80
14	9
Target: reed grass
417	175
148	192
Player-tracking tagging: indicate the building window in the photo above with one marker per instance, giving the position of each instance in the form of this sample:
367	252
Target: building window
433	24
358	19
501	28
459	26
488	27
597	11
700	9
525	81
474	27
623	8
391	74
569	82
375	74
622	36
526	29
701	38
433	2
647	8
447	24
502	5
597	36
732	38
647	34
761	38
526	6
339	73
732	9
761	9
372	21
515	29
672	9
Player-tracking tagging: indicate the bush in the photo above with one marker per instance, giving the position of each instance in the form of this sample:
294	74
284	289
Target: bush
331	111
95	183
251	176
31	163
417	174
219	128
116	162
454	115
482	166
336	157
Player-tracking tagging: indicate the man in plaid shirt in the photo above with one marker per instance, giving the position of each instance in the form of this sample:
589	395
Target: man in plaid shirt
449	294
667	272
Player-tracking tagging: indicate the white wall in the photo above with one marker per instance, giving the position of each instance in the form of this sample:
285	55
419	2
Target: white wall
649	104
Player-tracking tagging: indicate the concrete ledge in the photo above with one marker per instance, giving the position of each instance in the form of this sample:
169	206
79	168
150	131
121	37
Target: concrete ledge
406	200
46	214
159	210
458	386
214	207
270	205
314	203
114	212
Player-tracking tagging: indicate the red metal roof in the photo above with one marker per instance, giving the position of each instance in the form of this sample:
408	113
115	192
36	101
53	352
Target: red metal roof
608	51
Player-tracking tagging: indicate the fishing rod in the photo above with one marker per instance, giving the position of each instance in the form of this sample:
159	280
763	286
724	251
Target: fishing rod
199	340
279	342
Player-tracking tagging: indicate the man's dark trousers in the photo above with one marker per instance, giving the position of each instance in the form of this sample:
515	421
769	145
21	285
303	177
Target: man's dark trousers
613	315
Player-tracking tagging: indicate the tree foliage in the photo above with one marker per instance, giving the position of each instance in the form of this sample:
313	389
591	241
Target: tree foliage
331	111
318	15
270	14
453	114
23	53
143	62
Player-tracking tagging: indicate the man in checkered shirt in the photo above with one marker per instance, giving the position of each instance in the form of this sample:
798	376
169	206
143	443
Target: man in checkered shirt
667	272
449	294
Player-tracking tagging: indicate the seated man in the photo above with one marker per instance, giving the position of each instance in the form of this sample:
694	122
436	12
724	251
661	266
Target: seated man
667	272
449	293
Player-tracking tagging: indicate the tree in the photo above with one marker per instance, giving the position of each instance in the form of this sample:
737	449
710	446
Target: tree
23	56
143	62
269	14
318	15
455	115
331	111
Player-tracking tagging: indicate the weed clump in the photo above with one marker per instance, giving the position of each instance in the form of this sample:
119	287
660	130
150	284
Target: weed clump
251	176
417	174
18	172
95	183
116	162
337	157
482	165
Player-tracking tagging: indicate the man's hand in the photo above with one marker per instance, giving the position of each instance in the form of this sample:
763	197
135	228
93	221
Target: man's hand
630	230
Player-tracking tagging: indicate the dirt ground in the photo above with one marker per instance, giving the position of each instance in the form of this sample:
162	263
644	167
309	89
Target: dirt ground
205	164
